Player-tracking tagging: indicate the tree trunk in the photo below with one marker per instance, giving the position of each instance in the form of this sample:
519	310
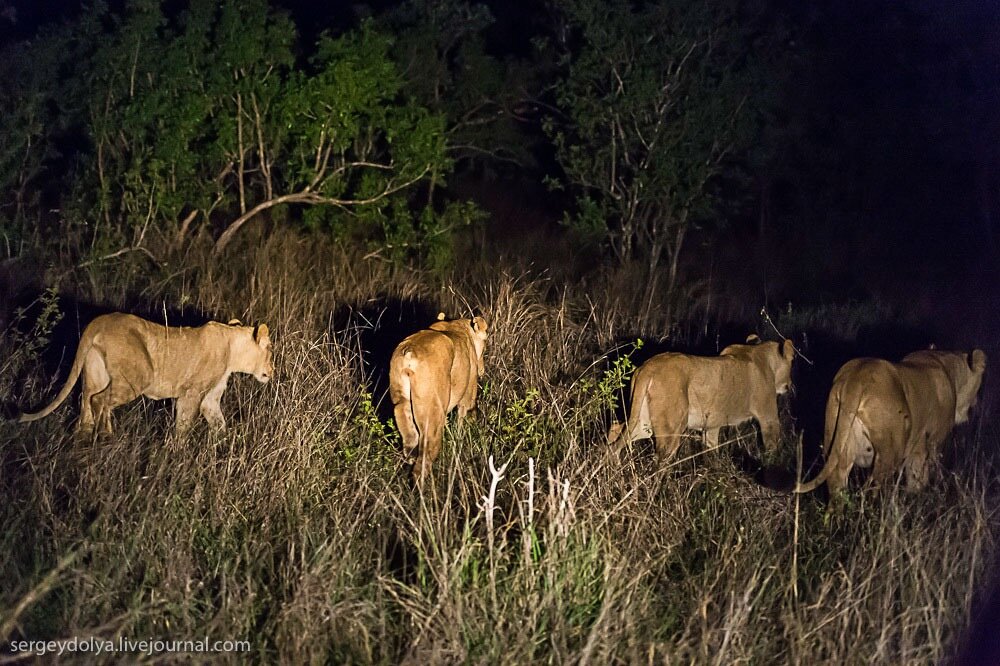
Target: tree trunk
674	252
652	270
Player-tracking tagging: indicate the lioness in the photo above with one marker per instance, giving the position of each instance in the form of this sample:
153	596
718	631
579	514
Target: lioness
895	414
674	392
122	357
431	373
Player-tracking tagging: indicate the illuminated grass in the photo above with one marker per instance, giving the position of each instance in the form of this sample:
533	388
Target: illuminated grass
298	528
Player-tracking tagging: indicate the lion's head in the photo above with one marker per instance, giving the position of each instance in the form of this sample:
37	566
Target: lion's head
257	356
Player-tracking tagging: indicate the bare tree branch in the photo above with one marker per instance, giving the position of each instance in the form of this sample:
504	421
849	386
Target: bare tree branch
307	196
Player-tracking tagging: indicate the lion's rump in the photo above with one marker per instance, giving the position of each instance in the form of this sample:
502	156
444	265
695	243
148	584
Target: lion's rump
903	411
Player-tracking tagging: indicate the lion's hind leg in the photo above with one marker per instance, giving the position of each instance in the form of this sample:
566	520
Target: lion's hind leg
637	424
96	382
667	418
117	393
429	412
123	379
888	442
918	463
403	413
433	433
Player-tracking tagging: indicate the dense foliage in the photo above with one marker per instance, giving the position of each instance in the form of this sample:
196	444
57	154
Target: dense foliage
208	115
214	113
655	97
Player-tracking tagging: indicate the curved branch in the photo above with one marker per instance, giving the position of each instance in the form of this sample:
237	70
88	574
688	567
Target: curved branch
306	196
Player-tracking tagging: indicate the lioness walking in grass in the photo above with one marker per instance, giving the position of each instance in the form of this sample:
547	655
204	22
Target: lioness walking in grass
431	373
121	357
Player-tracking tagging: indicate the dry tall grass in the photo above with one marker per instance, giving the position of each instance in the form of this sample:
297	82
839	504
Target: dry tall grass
298	529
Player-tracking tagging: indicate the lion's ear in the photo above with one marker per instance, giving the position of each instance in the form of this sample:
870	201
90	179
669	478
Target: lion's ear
261	333
753	339
978	360
788	350
234	322
440	316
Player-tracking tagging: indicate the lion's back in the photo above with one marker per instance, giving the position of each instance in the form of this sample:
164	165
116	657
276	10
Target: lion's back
715	381
161	361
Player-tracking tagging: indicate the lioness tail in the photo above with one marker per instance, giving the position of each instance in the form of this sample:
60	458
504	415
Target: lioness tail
74	374
815	483
835	446
638	390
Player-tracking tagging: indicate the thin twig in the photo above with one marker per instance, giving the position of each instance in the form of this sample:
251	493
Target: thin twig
767	319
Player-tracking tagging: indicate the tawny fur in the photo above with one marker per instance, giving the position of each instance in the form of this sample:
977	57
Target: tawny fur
121	357
431	373
896	415
673	393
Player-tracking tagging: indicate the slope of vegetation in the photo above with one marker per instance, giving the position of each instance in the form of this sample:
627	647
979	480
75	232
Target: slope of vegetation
299	529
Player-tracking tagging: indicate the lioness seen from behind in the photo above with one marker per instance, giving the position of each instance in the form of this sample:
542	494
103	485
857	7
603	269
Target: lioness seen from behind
121	357
674	392
431	373
896	415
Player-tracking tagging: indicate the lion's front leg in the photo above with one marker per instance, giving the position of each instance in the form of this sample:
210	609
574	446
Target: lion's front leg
770	433
186	409
211	409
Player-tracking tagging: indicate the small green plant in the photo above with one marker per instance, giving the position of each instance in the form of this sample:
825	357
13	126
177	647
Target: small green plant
382	437
519	422
367	419
43	327
27	347
532	433
606	393
612	384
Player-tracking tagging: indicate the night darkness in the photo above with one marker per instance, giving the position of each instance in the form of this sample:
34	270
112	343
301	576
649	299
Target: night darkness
583	174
